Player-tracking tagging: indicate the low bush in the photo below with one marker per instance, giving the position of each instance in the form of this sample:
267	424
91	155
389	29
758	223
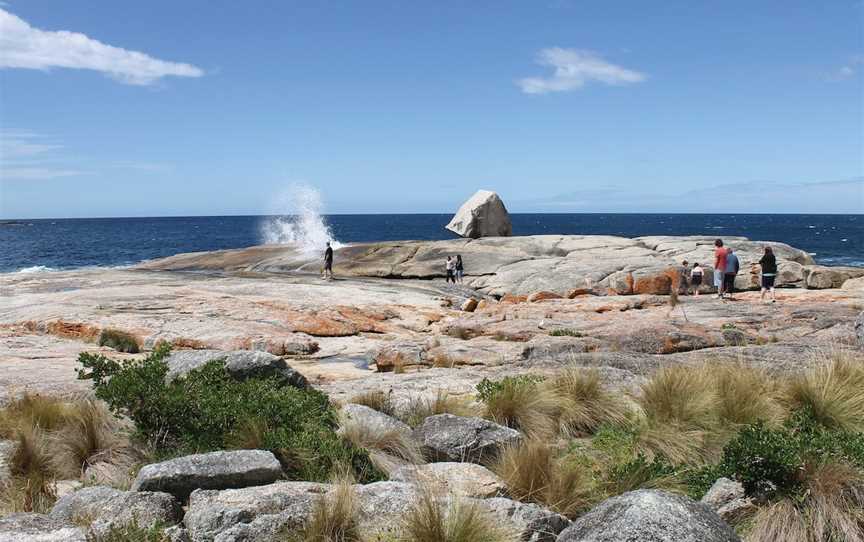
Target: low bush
566	333
208	410
118	340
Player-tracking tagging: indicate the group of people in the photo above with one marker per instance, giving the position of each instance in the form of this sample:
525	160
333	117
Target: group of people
726	268
454	269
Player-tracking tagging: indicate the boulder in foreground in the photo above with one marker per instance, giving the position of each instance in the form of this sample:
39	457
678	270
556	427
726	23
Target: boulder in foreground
240	364
483	215
214	470
108	508
649	514
460	479
445	437
27	527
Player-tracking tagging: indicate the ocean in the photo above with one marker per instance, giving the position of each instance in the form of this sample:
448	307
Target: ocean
45	245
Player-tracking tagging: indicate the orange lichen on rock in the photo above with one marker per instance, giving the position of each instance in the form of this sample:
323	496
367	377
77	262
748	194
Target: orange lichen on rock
540	296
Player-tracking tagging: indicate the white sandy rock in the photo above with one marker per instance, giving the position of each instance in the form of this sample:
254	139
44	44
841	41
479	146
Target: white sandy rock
28	527
108	508
445	437
461	479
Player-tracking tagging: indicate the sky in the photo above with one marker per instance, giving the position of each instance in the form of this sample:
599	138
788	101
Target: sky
215	107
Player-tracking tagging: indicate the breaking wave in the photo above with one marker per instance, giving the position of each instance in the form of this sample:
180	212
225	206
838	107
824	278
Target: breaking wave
299	220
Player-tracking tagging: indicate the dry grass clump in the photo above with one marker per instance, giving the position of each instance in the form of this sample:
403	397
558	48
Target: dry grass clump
689	412
584	403
533	472
380	441
54	439
532	409
90	435
831	509
419	408
376	400
333	519
832	392
458	521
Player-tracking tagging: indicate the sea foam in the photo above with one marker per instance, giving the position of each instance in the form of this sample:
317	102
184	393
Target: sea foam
299	220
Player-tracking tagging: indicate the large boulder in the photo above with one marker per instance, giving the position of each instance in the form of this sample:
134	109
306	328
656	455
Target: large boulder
398	355
460	479
821	277
483	215
649	514
250	513
445	437
107	508
27	527
240	364
531	522
214	470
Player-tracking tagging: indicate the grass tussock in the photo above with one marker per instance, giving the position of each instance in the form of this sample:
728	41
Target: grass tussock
457	521
55	439
565	332
376	400
830	508
333	519
90	435
534	472
833	393
379	440
119	341
525	406
585	404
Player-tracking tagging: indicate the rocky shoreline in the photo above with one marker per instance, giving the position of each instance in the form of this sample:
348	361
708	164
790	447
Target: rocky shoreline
389	325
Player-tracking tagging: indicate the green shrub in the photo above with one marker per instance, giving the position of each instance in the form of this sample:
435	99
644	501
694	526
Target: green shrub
764	460
564	332
205	409
118	340
487	390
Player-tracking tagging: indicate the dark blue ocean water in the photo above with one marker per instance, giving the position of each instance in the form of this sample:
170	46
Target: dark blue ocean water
73	243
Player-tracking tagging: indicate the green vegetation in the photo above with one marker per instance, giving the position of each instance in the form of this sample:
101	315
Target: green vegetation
118	340
208	410
564	332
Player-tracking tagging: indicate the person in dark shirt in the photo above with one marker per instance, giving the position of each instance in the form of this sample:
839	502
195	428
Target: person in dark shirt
732	268
768	263
460	268
328	262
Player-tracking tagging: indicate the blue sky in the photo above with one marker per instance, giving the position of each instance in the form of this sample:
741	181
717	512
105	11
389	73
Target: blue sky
214	107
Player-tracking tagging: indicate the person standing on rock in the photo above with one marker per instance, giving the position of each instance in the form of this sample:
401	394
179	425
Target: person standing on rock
696	278
328	262
732	268
450	268
768	263
719	266
460	269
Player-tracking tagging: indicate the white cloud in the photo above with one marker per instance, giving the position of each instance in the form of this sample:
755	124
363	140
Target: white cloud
36	173
573	69
848	70
22	46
